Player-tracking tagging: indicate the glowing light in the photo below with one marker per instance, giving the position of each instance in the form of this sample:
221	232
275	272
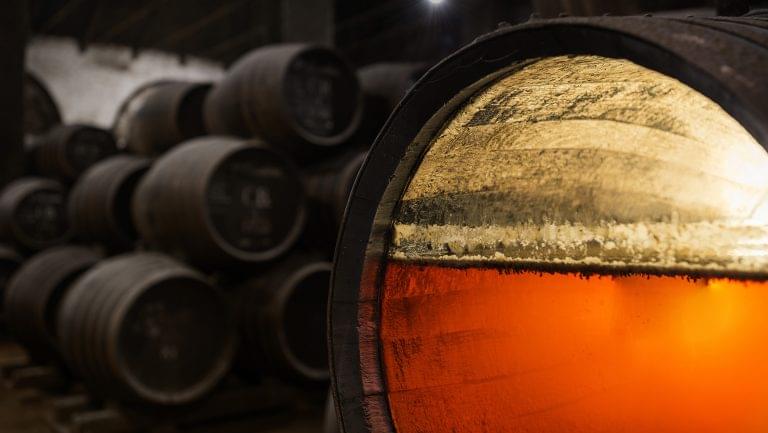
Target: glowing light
436	2
475	350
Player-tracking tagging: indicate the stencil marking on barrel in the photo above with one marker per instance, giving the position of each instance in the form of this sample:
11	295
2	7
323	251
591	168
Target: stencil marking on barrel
155	339
316	91
242	204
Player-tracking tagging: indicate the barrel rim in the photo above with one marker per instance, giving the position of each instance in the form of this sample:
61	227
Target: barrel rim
114	353
190	89
215	235
72	260
24	185
58	142
129	105
280	300
330	141
122	168
360	396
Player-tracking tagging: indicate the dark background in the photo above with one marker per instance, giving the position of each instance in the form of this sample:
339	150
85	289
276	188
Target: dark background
222	30
365	30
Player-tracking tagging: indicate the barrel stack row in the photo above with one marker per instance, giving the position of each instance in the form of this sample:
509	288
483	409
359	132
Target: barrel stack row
194	239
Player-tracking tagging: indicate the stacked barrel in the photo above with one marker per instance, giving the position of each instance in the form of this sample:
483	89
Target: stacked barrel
192	241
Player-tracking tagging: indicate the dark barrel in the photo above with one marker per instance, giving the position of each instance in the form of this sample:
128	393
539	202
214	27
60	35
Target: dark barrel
33	213
10	260
328	185
144	329
303	98
34	293
161	115
553	231
41	112
282	320
100	201
383	86
220	201
66	151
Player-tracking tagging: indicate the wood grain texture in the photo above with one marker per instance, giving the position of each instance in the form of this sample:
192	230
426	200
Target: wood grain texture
588	160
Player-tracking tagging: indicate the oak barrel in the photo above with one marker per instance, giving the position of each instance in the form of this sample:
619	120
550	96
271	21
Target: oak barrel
100	201
66	151
328	185
34	293
221	202
160	115
303	98
554	232
33	213
144	329
383	86
282	320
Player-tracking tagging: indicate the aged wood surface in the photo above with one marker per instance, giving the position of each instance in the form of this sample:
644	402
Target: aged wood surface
583	160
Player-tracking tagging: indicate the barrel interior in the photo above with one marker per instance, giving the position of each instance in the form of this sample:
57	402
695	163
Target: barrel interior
580	248
321	93
190	112
41	216
172	337
254	201
305	320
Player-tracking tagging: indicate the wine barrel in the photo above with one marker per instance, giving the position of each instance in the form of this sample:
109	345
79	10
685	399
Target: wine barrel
563	227
66	151
221	202
33	295
161	115
282	320
10	260
301	97
41	112
383	86
100	201
143	329
33	213
328	185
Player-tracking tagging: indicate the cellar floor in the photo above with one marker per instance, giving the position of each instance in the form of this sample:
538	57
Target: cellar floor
25	411
17	415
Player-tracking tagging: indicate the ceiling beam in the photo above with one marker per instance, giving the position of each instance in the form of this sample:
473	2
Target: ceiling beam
176	39
13	35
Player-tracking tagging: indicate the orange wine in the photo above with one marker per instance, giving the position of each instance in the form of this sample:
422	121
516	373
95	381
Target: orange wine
488	350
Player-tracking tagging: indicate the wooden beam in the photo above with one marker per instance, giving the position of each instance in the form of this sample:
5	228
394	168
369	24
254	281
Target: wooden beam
136	17
61	15
175	39
307	21
236	45
13	35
